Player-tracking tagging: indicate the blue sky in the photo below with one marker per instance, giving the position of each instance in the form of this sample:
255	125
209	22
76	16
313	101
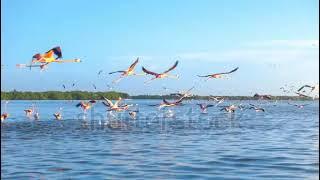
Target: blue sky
273	42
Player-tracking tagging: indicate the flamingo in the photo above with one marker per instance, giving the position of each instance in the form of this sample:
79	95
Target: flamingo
204	107
4	116
58	116
53	55
161	75
218	75
183	94
127	72
29	112
300	106
314	88
133	114
166	103
219	100
36	114
86	105
229	109
115	106
257	109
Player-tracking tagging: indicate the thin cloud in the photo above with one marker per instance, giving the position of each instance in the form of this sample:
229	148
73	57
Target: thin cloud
285	44
253	55
272	51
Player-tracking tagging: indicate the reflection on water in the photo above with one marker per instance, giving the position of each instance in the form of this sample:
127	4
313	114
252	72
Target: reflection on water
176	143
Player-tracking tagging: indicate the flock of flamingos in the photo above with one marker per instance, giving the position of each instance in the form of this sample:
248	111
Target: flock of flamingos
54	55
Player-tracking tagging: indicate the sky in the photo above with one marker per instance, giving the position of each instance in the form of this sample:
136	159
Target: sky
273	42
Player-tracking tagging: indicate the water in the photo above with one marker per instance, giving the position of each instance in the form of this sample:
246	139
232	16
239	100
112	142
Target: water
281	143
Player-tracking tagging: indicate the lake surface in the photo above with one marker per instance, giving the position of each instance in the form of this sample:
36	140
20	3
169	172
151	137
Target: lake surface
173	143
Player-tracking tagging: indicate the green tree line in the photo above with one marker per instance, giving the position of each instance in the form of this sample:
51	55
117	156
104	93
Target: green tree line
225	97
58	95
86	95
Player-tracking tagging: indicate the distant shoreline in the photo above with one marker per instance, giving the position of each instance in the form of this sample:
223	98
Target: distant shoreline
85	95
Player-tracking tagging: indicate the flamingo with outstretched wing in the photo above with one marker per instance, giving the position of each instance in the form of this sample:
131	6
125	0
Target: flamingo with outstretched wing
115	106
161	75
42	60
127	72
219	75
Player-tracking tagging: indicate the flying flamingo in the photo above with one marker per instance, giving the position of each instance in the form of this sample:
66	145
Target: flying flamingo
29	111
219	100
166	103
53	55
58	116
257	109
127	72
86	105
314	88
161	75
229	109
218	75
133	114
183	94
115	106
204	107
